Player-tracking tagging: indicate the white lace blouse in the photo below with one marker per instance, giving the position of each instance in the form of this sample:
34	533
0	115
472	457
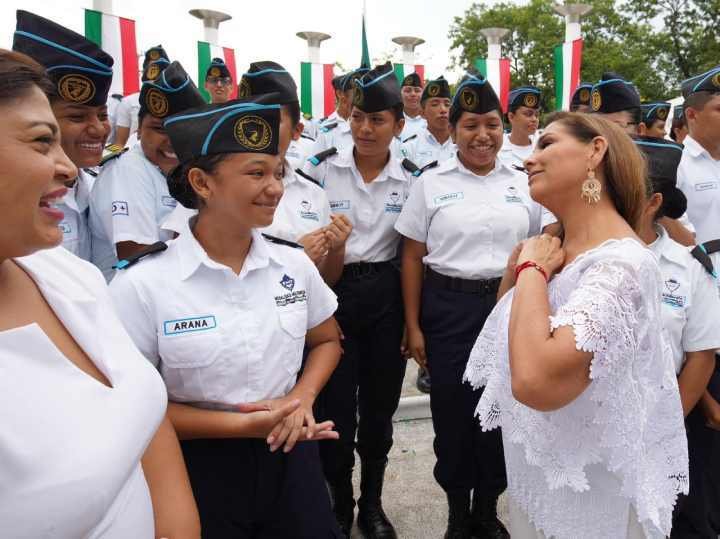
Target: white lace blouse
576	471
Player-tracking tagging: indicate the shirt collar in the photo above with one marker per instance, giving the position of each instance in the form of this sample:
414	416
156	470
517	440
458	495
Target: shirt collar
393	169
454	163
289	176
665	247
693	147
432	140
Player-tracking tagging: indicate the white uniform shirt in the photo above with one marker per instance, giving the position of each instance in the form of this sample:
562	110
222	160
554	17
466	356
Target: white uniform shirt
126	114
129	201
372	208
425	148
76	232
469	223
298	151
303	208
70	447
339	137
219	338
413	126
691	308
511	154
699	179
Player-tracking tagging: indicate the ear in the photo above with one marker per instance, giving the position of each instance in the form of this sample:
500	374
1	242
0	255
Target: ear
510	116
199	181
656	201
399	125
642	129
298	130
598	149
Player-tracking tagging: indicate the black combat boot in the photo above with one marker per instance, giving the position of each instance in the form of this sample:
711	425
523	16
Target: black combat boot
484	523
458	515
343	504
372	521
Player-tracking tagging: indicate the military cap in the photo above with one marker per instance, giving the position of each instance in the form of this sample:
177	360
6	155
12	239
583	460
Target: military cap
525	96
413	79
337	82
172	92
613	94
474	94
678	113
217	68
377	90
268	77
663	157
154	54
704	82
153	69
81	71
350	78
655	111
436	88
581	96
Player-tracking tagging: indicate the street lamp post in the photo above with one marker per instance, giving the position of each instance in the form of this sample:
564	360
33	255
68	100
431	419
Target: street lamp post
211	23
572	14
408	44
314	40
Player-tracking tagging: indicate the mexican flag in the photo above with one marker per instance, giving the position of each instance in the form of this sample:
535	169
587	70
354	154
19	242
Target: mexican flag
116	36
403	70
568	59
497	72
317	97
206	52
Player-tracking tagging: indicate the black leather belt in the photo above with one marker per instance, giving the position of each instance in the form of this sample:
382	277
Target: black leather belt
467	286
361	269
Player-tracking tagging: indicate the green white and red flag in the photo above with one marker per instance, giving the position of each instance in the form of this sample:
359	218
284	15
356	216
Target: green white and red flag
116	36
317	97
568	60
403	70
206	52
497	73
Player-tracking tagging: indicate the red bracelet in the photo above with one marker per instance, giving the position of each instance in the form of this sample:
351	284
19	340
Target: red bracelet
530	264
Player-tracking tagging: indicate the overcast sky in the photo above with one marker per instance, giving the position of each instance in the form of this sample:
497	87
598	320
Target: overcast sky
265	29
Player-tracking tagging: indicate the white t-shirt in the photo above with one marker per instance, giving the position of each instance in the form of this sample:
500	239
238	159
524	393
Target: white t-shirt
70	447
699	179
219	338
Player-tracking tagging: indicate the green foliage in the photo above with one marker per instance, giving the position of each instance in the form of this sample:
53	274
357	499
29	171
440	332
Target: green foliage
656	44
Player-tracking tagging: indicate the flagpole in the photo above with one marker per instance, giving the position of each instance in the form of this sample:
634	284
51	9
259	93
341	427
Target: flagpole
572	14
314	40
408	44
103	6
211	23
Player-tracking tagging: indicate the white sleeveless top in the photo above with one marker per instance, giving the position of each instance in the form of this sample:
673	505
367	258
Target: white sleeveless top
576	471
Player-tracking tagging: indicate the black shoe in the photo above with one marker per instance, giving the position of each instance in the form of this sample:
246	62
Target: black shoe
343	504
484	523
372	520
458	515
423	380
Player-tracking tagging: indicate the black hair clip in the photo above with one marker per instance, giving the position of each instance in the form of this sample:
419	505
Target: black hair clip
521	169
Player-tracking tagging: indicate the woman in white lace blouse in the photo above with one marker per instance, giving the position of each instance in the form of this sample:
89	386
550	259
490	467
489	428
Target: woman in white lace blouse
576	370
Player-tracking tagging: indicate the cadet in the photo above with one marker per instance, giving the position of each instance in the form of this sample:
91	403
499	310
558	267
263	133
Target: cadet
433	142
411	90
368	185
524	118
218	81
131	197
224	316
82	73
699	170
690	308
678	129
580	101
618	100
446	305
653	120
126	125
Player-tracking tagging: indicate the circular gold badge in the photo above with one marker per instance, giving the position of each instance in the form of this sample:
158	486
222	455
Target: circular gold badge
716	80
468	99
244	88
358	97
156	103
596	100
530	100
662	113
76	88
154	54
253	132
584	96
214	72
153	71
434	90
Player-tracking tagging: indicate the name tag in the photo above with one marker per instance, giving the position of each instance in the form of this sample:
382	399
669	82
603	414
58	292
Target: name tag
169	201
186	325
448	198
512	199
120	207
676	302
65	227
706	186
339	204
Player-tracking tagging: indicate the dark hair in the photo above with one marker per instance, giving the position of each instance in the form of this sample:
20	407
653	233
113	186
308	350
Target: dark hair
179	185
456	114
19	74
293	109
698	100
397	110
636	114
624	166
677	123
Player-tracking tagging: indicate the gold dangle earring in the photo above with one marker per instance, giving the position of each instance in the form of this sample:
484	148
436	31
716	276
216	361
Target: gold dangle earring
591	188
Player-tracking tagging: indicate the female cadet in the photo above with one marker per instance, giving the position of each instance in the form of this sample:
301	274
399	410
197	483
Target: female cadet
580	101
82	73
653	119
369	186
690	308
224	315
85	450
462	220
524	118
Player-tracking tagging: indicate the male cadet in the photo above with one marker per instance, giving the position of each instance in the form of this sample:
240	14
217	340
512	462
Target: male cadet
156	59
131	197
678	128
699	170
411	90
580	101
433	142
618	101
653	119
218	81
82	73
524	118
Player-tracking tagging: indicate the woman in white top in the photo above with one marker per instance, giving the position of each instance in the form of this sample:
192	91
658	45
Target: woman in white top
85	450
575	369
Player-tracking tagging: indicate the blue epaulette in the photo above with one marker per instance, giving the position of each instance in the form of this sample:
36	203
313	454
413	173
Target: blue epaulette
280	241
410	138
329	127
308	137
702	254
309	178
125	263
320	157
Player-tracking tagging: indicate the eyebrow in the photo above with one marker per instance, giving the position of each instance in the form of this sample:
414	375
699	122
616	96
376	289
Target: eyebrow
51	126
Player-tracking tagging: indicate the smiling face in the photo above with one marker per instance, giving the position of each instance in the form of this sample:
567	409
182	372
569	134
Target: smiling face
436	111
372	132
243	191
32	179
411	98
156	144
479	138
219	89
84	130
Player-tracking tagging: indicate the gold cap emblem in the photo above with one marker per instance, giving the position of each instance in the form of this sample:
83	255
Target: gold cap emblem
76	88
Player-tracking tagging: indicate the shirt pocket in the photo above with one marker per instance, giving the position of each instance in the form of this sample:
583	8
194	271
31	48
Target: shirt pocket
293	325
189	365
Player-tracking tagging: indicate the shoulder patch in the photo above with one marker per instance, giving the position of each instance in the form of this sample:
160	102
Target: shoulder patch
280	241
410	138
320	157
702	253
309	178
117	96
114	155
328	127
125	263
308	137
431	164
